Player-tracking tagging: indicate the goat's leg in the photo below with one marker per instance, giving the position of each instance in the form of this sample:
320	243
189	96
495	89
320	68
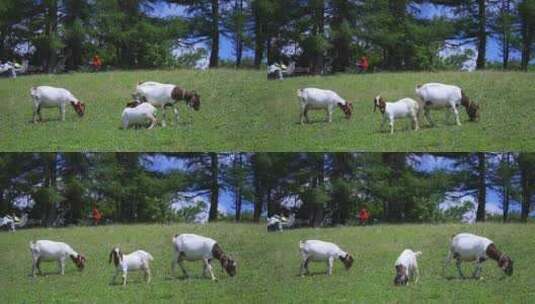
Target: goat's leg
38	266
304	267
458	263
329	115
147	275
427	116
35	265
162	108
447	262
415	121
175	110
416	275
180	263
62	266
153	121
209	268
331	264
391	123
456	112
62	111
477	271
124	275
115	276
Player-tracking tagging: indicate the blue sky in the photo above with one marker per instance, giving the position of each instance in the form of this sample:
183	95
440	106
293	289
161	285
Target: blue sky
426	10
426	163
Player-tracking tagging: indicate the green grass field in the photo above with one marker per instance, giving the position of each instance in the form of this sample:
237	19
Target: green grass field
243	111
268	266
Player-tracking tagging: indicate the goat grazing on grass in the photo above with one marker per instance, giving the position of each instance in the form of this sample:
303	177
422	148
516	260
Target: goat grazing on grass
407	267
50	97
440	96
467	247
163	95
44	250
405	107
137	260
192	247
318	251
137	114
317	99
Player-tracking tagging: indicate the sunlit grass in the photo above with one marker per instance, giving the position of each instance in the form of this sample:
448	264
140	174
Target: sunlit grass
268	266
243	111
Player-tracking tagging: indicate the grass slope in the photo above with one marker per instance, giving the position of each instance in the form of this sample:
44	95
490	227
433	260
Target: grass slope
268	266
243	111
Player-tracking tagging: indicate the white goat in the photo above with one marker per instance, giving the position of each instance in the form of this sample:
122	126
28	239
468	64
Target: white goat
161	95
318	99
44	250
439	96
407	267
139	115
137	260
317	251
50	97
469	247
192	247
405	107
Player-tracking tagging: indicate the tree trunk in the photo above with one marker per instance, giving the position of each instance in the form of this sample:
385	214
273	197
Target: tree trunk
526	194
482	187
50	32
259	39
214	188
239	33
214	54
237	188
482	35
319	29
526	46
259	198
506	8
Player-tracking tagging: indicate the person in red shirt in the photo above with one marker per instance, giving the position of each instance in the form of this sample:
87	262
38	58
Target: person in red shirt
97	216
96	63
363	216
363	64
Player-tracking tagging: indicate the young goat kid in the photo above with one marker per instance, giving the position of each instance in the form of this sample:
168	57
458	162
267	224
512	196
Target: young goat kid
467	247
137	260
405	107
440	96
318	251
50	97
139	114
407	267
162	95
192	247
44	250
317	99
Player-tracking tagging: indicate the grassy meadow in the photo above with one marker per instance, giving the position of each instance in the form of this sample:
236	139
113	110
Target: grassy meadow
268	265
241	110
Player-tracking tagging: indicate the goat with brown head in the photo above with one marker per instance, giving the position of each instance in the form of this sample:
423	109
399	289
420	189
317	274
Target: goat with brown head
79	107
379	103
79	261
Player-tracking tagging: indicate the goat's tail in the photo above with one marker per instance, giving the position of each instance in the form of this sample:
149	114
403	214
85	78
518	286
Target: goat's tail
32	245
418	253
300	93
149	256
301	244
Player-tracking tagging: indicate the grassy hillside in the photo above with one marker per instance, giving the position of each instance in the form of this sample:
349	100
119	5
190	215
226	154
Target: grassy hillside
268	266
243	111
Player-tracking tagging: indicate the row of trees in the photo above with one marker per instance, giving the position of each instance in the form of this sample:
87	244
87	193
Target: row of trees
394	34
329	187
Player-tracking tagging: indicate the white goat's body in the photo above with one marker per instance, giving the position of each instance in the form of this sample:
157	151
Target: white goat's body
45	250
140	115
192	247
318	99
159	95
467	247
440	96
50	97
408	259
470	247
319	251
405	107
137	260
